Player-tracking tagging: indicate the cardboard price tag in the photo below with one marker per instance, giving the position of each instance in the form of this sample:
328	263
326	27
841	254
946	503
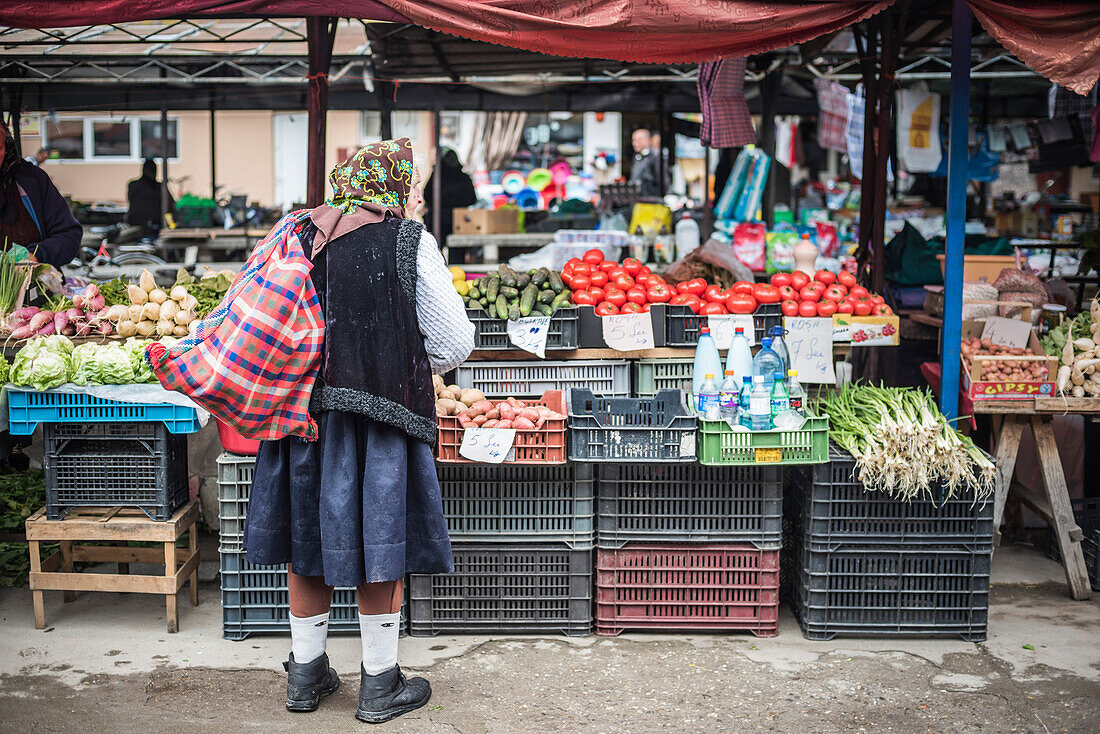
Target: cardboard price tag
810	344
529	334
628	332
487	445
1011	333
722	329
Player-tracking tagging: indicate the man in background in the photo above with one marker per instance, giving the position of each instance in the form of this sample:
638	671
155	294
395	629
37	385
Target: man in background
40	157
647	165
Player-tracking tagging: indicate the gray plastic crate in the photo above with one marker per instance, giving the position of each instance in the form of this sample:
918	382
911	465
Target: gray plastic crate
492	334
884	592
506	588
676	503
256	599
654	375
519	503
661	428
234	484
836	508
502	379
114	464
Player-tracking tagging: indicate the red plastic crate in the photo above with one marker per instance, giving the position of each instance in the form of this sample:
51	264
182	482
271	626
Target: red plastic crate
544	446
687	586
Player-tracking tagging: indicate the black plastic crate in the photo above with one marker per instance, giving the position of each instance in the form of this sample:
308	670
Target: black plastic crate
660	428
492	334
255	599
885	592
835	507
115	464
682	325
1086	513
505	588
676	503
487	503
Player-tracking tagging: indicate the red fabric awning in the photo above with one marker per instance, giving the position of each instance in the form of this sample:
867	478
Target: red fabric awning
1060	39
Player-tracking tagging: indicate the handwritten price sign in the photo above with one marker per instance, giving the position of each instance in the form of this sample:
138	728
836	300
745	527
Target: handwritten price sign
810	343
529	334
487	445
722	329
628	332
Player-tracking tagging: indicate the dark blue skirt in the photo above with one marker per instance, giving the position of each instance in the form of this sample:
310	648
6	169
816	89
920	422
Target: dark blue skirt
361	503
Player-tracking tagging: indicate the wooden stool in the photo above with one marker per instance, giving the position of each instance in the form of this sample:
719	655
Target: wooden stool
106	524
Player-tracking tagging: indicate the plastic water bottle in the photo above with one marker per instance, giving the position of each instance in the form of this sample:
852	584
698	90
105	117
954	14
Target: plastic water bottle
760	404
739	358
744	400
781	400
796	394
708	401
766	362
707	360
639	245
728	397
687	236
779	346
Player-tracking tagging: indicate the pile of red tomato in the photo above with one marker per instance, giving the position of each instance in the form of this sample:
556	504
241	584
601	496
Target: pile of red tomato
826	294
631	287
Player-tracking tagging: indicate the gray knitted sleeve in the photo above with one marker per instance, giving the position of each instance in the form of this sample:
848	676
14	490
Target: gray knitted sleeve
448	333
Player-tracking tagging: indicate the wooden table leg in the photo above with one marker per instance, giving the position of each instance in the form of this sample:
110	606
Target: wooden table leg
1008	445
67	567
36	594
1065	527
193	546
172	614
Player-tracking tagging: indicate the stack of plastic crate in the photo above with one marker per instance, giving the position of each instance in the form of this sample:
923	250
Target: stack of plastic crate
255	598
105	453
683	546
865	563
522	538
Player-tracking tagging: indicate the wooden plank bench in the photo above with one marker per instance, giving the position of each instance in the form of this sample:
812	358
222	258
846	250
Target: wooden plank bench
116	525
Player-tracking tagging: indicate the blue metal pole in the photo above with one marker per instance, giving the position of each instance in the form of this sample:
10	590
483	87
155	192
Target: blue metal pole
956	207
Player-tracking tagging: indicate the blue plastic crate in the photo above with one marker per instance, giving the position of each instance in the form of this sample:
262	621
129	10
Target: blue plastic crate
28	408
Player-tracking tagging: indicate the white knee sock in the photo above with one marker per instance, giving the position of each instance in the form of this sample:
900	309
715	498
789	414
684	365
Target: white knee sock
379	633
308	636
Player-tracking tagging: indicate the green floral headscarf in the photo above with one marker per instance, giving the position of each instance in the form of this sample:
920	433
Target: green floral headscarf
379	174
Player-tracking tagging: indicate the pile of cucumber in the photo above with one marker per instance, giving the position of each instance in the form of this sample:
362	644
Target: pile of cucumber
509	295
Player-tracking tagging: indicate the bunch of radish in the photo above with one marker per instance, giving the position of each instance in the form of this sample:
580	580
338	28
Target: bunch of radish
87	316
510	413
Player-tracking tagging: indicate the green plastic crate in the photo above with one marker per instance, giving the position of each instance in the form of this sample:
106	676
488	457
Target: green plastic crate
652	375
720	445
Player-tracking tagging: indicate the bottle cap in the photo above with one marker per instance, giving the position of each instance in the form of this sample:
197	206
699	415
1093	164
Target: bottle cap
709	376
746	379
777	331
704	330
739	330
729	372
777	376
792	373
766	341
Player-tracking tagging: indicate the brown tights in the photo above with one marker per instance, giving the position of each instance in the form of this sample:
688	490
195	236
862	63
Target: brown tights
310	596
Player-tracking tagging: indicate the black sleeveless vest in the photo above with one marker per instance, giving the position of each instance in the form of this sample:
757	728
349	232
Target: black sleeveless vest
374	362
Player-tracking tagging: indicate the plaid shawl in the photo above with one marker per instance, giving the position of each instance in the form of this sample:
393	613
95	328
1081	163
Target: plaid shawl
254	360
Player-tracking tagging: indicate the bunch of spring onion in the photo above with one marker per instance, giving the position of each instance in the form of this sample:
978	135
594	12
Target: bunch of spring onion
904	446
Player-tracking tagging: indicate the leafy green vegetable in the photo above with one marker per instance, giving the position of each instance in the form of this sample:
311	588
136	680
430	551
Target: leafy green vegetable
85	366
115	366
43	363
1075	328
5	370
21	494
114	292
207	291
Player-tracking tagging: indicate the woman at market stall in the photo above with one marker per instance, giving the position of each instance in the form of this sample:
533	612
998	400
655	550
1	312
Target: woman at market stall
33	213
361	505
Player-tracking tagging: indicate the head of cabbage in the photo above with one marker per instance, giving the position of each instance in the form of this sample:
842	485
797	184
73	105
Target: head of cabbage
136	348
43	364
85	366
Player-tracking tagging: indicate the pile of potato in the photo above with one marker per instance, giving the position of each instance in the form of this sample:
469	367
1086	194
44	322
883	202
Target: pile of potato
1014	370
452	399
510	413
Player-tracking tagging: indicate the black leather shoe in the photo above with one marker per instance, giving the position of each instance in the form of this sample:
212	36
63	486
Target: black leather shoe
307	682
389	694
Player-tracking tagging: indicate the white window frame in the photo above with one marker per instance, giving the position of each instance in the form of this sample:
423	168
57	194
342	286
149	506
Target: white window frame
88	138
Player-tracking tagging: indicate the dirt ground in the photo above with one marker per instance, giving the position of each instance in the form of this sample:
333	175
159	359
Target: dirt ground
630	684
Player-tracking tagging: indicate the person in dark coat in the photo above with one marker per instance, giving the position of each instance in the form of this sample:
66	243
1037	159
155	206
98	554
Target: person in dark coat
33	213
143	195
646	171
361	505
456	189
